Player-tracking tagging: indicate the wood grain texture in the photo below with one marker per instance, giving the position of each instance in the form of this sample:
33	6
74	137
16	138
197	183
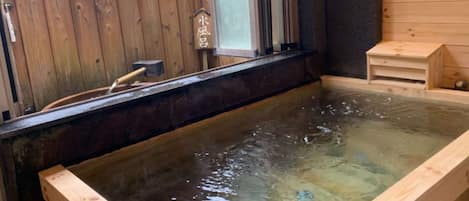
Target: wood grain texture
427	12
401	62
449	34
132	32
191	57
67	46
152	32
38	51
89	43
59	184
64	47
172	37
111	38
456	56
404	49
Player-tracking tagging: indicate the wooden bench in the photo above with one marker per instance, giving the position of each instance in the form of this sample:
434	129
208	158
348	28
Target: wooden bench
405	64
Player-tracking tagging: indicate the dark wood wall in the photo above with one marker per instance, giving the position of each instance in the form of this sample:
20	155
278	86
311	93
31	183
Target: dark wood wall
353	27
68	46
313	27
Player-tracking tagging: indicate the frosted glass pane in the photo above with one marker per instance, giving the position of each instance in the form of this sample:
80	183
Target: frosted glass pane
233	24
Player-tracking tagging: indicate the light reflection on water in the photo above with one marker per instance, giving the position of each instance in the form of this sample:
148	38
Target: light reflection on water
306	145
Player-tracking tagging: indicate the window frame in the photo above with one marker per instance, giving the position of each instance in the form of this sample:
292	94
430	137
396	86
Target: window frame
255	33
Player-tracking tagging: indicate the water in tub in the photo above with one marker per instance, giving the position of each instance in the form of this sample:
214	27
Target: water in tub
309	144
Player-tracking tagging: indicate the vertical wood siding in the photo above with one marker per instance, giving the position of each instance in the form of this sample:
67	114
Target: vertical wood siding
67	46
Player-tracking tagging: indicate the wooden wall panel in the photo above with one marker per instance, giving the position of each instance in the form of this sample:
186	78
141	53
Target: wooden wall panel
111	38
131	23
68	46
89	43
427	12
153	35
172	37
191	58
64	47
216	61
450	34
38	51
442	21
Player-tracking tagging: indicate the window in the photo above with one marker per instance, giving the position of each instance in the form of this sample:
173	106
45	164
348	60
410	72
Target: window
278	35
236	25
249	28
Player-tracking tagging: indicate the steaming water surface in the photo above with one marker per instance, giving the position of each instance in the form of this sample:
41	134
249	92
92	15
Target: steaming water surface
309	144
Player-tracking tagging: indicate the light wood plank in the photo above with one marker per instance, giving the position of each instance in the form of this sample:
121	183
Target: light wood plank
191	57
172	38
38	51
401	62
132	31
427	12
403	73
436	68
111	38
89	43
400	49
403	85
449	34
59	184
64	47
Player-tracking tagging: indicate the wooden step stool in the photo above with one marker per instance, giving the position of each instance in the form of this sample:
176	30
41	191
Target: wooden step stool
406	64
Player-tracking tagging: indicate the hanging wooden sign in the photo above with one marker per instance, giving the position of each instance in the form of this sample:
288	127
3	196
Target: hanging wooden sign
203	30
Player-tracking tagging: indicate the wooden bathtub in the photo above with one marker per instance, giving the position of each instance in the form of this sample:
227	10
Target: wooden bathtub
443	177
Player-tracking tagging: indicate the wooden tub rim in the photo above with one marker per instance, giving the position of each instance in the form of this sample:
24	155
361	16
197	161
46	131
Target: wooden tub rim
52	117
56	104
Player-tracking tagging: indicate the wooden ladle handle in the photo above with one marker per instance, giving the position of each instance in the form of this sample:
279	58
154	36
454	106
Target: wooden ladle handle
130	76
